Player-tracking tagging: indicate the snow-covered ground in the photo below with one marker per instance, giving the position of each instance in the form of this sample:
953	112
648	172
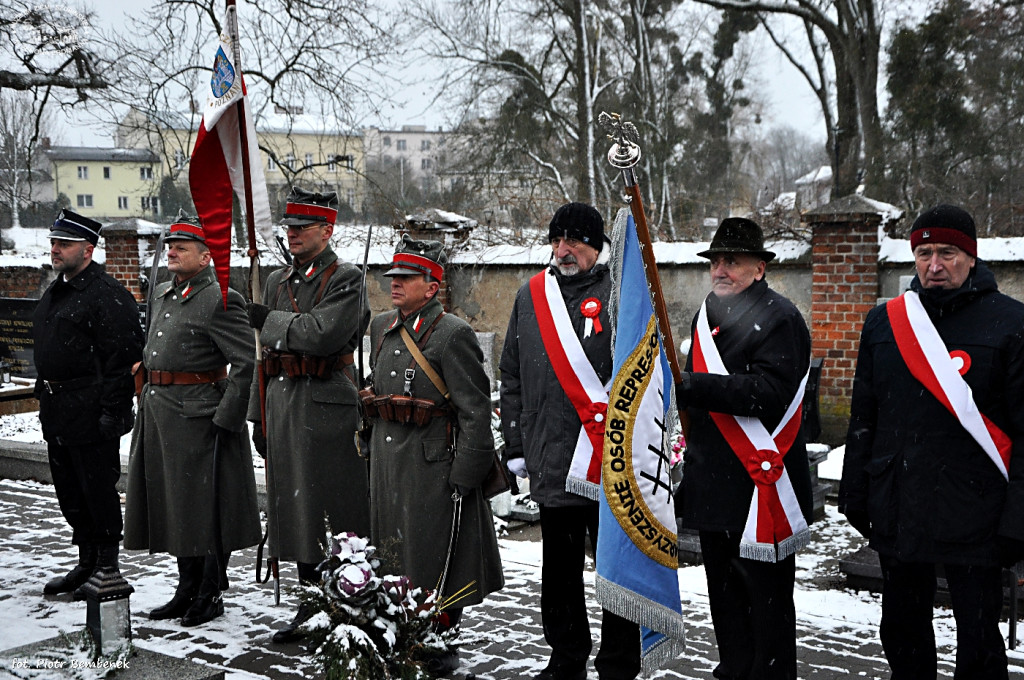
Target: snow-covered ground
502	639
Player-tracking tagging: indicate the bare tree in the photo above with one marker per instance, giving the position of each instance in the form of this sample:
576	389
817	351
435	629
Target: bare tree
852	33
302	60
21	127
44	48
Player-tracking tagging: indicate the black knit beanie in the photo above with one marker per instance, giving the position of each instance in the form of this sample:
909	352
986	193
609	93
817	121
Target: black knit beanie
945	224
578	221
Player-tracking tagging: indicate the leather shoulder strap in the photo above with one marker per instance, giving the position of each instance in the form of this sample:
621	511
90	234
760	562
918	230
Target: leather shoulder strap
423	363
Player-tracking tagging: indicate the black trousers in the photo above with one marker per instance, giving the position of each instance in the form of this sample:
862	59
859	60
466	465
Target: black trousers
752	611
85	480
908	597
563	603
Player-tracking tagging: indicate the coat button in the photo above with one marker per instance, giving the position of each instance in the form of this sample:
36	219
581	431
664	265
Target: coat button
297	281
159	334
393	374
154	352
280	378
152	391
167	315
174	297
397	352
388	438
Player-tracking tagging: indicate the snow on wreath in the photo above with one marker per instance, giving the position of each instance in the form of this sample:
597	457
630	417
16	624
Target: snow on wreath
372	627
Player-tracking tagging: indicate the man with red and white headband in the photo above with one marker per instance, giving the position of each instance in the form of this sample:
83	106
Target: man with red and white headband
556	367
933	472
746	483
309	328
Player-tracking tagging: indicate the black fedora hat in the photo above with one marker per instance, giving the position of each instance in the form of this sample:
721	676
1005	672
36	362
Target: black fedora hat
738	235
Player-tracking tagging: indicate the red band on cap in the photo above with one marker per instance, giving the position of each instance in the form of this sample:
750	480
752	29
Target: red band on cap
953	237
420	263
179	227
325	214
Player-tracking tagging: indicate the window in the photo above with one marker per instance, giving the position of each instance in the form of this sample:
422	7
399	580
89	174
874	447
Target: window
387	142
83	172
151	203
146	172
106	172
350	195
122	202
332	164
425	145
425	164
179	159
289	160
83	200
400	145
349	162
271	165
309	159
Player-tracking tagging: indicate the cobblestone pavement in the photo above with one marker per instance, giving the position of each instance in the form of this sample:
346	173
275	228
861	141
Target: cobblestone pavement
502	639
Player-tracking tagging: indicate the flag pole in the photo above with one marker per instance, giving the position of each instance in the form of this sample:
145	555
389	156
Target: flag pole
624	155
250	219
255	285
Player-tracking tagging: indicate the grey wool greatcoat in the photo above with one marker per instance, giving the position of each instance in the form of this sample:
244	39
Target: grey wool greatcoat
313	468
412	469
170	501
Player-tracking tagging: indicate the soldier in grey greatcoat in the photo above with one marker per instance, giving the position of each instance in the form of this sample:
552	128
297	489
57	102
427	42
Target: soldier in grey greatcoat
191	419
429	449
309	328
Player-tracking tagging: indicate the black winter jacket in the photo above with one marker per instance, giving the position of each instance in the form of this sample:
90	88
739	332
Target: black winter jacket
537	418
930	491
764	343
86	330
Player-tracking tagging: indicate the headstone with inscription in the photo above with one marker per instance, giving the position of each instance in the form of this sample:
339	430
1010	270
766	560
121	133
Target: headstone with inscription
16	335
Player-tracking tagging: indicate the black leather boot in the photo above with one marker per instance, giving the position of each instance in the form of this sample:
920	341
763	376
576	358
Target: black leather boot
208	604
77	576
106	560
190	576
292	631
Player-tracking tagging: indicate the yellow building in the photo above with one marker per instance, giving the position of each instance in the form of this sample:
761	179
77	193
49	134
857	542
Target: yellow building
107	184
295	149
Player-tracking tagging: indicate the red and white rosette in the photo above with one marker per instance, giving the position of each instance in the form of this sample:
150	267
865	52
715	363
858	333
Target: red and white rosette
591	310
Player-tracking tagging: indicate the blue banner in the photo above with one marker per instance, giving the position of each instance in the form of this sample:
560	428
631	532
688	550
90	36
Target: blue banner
637	553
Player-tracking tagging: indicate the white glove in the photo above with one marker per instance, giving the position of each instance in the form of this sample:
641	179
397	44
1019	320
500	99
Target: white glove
517	466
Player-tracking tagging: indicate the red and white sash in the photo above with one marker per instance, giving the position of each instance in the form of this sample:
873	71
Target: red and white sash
775	527
586	392
930	362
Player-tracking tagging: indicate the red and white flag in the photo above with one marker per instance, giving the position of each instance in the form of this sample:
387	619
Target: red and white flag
217	169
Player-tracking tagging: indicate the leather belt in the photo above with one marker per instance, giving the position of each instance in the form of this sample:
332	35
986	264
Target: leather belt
301	365
57	386
186	377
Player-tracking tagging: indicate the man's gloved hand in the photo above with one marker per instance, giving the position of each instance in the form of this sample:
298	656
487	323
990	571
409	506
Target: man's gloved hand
1009	551
257	314
683	391
110	426
517	466
259	442
859	520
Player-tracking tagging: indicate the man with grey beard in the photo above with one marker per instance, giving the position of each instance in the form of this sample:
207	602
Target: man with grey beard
560	334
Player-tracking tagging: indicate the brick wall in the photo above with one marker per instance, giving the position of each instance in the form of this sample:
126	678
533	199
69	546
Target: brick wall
24	282
844	288
122	242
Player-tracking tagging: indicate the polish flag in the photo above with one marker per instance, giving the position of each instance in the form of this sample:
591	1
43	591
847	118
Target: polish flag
217	169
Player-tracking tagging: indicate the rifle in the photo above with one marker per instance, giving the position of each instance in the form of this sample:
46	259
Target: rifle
362	435
623	155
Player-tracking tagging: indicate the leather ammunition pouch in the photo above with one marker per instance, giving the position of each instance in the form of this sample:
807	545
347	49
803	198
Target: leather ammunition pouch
303	365
400	409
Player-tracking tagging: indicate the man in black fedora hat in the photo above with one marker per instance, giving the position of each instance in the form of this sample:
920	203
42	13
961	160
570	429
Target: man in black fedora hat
746	484
932	473
309	328
86	335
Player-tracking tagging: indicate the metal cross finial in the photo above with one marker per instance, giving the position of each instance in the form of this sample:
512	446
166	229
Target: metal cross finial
625	152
